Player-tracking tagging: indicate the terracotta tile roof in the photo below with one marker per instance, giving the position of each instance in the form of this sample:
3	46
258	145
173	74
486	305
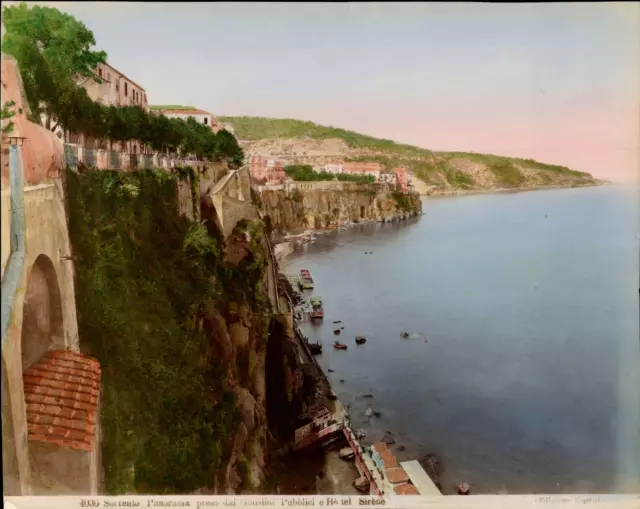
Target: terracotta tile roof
388	459
405	489
396	475
62	392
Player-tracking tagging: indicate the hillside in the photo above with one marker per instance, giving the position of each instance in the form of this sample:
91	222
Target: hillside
300	142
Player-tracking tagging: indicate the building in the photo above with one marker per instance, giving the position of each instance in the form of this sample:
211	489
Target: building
373	169
116	89
388	178
402	174
266	171
201	116
333	167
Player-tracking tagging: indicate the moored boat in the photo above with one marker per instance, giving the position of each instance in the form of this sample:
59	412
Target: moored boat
336	332
339	345
315	348
360	340
306	281
316	308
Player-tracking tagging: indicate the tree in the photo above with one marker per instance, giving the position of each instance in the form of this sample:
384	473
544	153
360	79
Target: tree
52	48
7	113
229	150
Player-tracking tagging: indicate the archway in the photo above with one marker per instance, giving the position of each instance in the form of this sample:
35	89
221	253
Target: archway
42	312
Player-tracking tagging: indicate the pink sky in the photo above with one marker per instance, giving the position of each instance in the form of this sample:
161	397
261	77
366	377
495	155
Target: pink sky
559	83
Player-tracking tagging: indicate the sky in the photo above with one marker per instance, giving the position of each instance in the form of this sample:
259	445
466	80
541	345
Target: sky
559	83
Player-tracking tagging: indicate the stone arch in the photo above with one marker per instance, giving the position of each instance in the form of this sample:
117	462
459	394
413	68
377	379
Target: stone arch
42	323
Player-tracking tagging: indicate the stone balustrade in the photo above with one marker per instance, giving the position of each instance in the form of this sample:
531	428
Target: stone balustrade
75	155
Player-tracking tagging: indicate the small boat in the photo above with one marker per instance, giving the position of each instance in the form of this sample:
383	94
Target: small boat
337	321
315	348
306	281
404	334
339	346
316	308
360	340
336	332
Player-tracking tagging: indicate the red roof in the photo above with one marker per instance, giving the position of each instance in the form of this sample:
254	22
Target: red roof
62	392
405	489
396	475
388	459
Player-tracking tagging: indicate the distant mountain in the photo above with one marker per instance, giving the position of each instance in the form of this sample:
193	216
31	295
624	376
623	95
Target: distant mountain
301	142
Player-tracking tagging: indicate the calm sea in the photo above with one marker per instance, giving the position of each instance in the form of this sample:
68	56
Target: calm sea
528	381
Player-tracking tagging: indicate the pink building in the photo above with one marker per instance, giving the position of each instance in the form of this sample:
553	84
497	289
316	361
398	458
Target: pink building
402	174
373	169
268	171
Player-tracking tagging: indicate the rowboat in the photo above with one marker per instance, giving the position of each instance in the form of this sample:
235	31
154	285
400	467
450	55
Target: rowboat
339	346
316	308
306	281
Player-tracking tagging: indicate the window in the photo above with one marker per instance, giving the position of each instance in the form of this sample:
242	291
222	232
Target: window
100	72
126	89
206	121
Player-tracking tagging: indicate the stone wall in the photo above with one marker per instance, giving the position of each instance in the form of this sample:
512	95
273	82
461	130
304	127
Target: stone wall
47	243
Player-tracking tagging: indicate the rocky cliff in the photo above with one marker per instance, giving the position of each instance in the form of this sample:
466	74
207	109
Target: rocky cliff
329	205
298	142
201	378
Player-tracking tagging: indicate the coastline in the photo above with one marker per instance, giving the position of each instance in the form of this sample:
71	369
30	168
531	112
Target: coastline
502	190
283	249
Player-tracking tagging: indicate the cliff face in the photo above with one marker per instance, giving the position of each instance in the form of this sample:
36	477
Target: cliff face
196	365
314	207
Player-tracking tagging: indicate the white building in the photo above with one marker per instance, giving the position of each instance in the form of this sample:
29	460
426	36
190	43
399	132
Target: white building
389	178
334	167
201	116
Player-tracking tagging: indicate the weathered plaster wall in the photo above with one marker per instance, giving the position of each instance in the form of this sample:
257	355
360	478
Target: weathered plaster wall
46	235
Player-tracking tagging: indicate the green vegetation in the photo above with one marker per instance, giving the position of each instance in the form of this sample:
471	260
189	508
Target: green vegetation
431	167
489	159
305	173
257	128
146	281
52	49
7	113
506	173
403	201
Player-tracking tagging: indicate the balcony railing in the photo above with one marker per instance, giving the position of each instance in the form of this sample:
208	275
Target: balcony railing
75	155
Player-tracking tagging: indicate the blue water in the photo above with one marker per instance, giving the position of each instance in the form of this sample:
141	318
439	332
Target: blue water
529	379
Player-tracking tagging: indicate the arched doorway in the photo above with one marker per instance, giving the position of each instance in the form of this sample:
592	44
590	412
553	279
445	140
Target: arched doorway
42	312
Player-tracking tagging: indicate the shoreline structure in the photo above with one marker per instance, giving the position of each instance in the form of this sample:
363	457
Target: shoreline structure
379	472
376	465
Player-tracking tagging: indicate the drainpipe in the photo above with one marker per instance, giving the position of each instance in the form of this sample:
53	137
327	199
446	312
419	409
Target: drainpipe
12	276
